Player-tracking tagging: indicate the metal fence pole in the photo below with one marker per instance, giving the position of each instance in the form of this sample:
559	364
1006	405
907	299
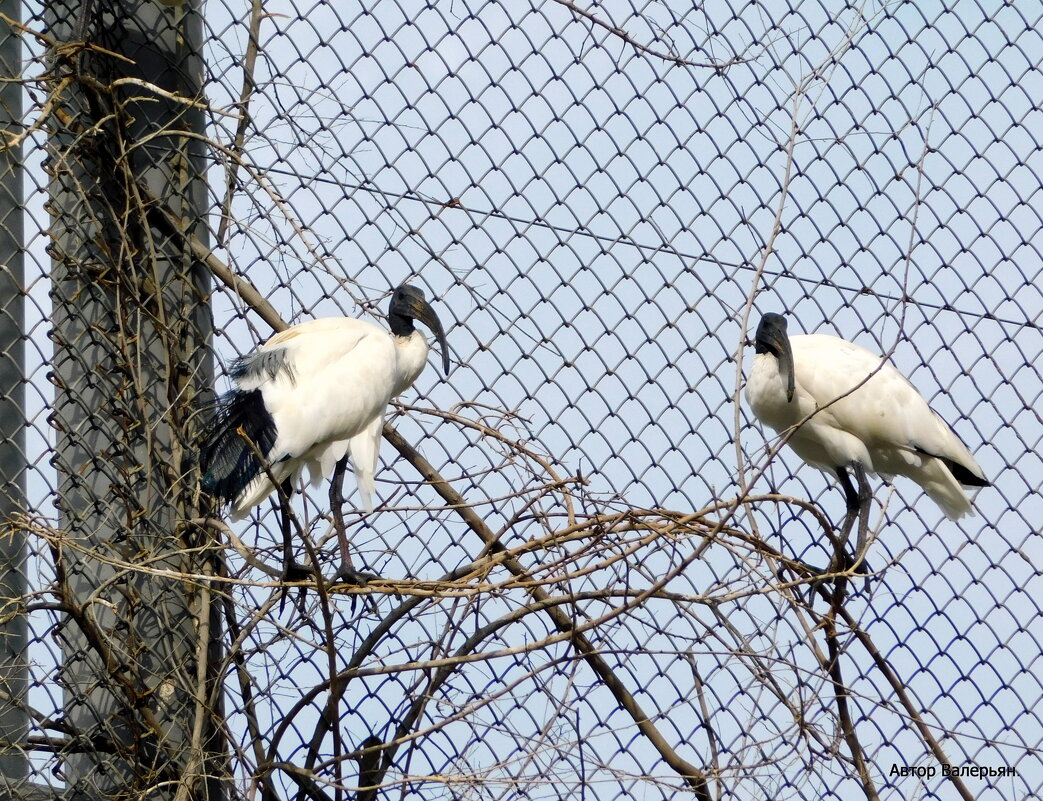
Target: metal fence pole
14	664
131	330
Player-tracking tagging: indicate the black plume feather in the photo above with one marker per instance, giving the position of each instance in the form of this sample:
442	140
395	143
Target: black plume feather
227	460
965	476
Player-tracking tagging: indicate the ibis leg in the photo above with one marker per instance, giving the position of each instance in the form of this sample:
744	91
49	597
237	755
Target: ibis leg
291	570
851	495
347	572
864	498
858	500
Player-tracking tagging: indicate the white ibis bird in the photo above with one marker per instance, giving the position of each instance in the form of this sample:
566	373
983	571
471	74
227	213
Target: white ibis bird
309	397
844	408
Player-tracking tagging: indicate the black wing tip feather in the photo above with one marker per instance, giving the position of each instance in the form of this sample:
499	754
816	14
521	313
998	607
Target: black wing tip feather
227	460
962	474
965	476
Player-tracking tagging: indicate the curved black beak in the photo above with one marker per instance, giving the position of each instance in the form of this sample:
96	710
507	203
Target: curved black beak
785	358
408	303
772	338
423	312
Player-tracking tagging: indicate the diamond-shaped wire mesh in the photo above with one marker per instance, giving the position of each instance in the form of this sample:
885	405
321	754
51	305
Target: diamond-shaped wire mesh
587	587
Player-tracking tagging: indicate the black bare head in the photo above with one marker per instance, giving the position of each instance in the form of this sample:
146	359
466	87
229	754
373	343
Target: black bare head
408	304
772	338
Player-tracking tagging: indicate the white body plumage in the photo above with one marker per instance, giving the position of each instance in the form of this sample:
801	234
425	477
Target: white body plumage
884	424
310	395
328	398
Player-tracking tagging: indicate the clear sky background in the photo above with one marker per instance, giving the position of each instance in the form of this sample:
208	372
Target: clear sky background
589	220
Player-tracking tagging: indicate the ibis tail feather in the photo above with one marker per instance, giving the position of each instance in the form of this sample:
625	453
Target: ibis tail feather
228	459
942	487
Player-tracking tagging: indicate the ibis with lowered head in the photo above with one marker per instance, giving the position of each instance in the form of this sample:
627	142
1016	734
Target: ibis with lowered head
309	397
844	408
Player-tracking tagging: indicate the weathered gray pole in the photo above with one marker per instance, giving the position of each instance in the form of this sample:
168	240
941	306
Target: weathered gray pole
131	329
14	666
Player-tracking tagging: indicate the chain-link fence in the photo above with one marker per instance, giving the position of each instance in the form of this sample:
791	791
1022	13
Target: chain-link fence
594	570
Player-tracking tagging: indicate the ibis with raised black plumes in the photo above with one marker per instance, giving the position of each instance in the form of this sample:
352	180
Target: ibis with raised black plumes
309	397
843	408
